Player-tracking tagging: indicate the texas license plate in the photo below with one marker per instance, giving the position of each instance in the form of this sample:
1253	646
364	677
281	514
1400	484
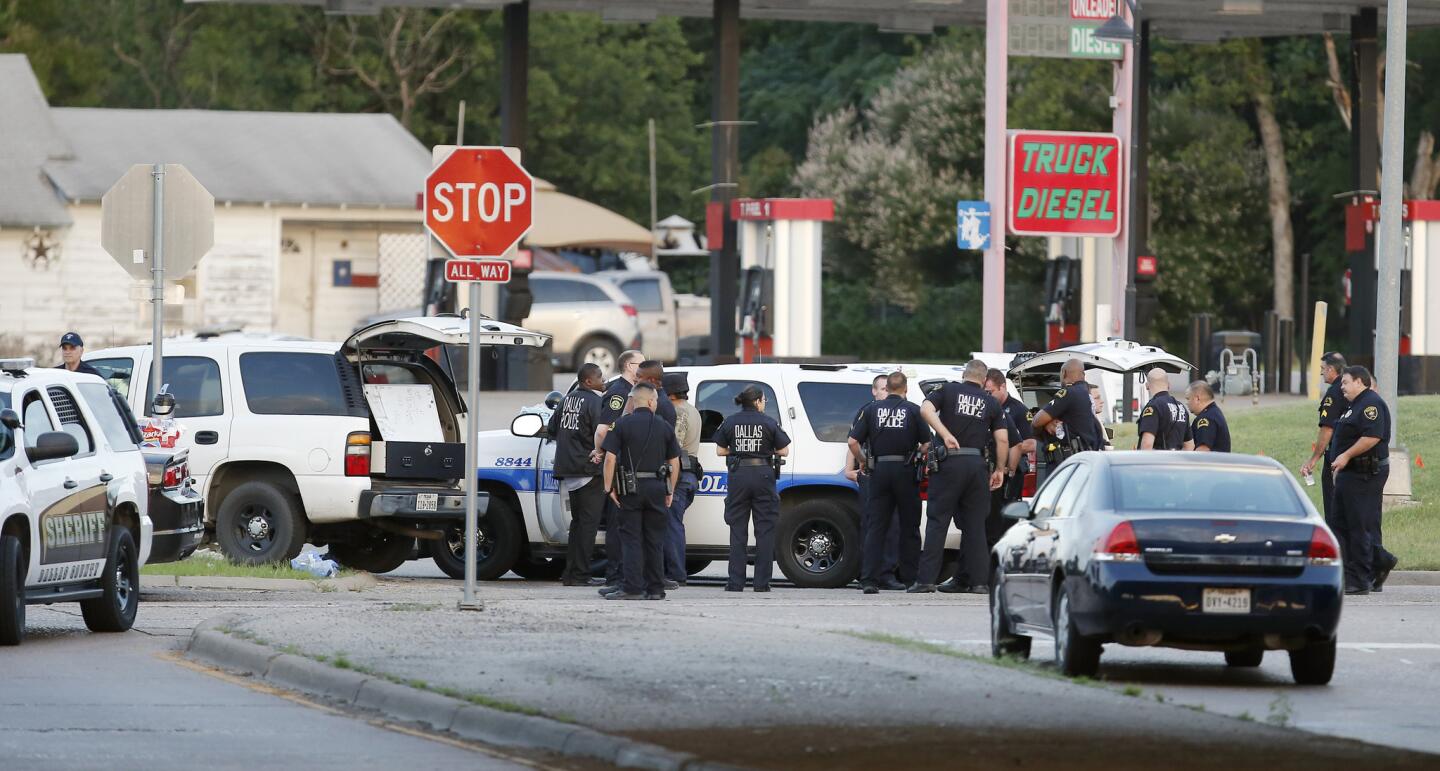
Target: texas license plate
431	502
1226	601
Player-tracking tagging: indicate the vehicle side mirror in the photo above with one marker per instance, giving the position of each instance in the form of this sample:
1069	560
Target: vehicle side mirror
1016	510
52	445
10	419
553	399
528	425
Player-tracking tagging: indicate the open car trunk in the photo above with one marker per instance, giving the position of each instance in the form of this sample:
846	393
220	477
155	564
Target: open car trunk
1037	376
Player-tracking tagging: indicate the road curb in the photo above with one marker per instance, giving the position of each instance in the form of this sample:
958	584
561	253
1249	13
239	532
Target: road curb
352	583
1414	578
212	644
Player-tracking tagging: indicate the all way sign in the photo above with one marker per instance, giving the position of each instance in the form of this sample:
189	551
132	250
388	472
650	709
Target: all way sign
484	271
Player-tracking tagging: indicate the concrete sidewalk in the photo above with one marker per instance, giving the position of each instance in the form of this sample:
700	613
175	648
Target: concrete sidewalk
771	681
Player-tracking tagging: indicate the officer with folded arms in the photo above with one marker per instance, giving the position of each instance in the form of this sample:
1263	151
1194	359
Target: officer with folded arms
573	429
1067	423
892	434
642	464
965	418
752	444
1164	423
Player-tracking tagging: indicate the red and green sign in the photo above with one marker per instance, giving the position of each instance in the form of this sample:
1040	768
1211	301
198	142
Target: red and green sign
1065	184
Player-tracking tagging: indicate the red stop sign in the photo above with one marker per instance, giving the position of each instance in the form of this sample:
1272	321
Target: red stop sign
479	202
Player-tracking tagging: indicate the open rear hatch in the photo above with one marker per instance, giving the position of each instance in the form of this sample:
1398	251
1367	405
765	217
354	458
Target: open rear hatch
1040	373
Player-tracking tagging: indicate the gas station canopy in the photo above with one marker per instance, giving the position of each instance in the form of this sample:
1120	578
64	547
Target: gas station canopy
1185	20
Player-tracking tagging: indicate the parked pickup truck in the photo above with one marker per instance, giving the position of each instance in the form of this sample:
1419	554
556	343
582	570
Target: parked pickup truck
674	327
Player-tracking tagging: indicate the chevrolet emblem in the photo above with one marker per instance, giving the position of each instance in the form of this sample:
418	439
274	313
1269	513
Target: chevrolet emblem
1225	538
428	451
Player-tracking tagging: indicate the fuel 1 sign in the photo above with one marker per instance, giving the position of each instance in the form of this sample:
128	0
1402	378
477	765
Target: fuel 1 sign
1065	184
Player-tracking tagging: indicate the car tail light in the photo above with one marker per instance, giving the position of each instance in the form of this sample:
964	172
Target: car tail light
630	311
1027	485
357	454
925	488
1323	549
175	475
1119	546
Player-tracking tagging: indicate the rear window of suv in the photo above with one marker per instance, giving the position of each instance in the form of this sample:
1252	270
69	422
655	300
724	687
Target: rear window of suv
291	384
832	407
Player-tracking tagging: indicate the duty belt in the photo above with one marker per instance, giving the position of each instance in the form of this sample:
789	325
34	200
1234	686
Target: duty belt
892	458
950	452
752	462
646	475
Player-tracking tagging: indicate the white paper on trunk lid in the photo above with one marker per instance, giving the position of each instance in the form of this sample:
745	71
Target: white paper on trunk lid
405	413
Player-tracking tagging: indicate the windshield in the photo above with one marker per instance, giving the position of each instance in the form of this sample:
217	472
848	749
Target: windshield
1205	490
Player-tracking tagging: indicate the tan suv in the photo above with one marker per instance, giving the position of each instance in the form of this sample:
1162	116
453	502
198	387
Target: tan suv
590	320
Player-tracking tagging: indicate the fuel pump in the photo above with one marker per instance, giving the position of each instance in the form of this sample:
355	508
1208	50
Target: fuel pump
1062	302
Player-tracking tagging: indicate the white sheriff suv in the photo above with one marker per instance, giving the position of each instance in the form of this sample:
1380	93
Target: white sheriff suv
74	525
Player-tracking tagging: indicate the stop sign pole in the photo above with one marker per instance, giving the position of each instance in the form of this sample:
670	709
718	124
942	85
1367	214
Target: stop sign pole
478	203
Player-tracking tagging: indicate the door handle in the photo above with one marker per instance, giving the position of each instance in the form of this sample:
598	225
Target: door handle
106	476
71	484
207	437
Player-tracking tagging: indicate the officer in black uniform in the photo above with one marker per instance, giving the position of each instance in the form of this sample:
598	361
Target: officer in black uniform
653	373
71	349
612	408
573	429
888	439
751	443
642	465
1164	423
893	575
1066	424
1022	443
964	418
1332	405
1362	464
1209	431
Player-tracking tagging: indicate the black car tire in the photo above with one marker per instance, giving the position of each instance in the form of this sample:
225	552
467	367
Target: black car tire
1314	664
1003	640
499	550
1075	654
12	591
542	569
115	610
695	565
1250	657
373	550
258	523
817	544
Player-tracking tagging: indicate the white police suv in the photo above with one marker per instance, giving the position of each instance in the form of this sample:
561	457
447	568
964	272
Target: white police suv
74	526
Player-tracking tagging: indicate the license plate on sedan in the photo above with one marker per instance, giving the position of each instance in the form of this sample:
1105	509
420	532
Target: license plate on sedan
431	502
1226	601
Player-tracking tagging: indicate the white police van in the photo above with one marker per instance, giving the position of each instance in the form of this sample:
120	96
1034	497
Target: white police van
74	525
818	539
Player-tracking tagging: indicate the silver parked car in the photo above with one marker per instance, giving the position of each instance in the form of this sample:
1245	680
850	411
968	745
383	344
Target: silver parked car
591	320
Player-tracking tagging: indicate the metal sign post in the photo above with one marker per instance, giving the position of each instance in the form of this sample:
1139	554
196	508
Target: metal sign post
157	273
472	438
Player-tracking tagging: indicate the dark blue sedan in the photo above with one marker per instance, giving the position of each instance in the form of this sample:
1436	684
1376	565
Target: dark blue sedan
1200	551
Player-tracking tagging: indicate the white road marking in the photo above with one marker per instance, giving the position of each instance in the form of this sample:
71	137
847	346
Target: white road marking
1389	646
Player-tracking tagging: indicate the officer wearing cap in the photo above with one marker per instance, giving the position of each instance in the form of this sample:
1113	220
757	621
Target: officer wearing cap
1164	423
642	464
965	418
573	429
612	407
1362	464
1208	431
71	349
1067	423
1332	405
892	433
751	443
687	433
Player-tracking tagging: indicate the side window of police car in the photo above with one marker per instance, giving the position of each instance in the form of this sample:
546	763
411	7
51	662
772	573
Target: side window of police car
1044	505
195	383
36	418
113	416
71	421
1065	504
716	401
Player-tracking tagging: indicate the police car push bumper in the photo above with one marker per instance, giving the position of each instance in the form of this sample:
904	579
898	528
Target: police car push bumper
417	503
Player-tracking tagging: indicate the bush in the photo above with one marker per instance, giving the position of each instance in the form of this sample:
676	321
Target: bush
945	324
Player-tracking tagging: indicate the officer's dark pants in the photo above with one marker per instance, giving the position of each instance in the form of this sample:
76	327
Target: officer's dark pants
751	494
891	569
892	509
960	493
587	505
675	535
643	524
995	525
1356	514
614	544
1327	489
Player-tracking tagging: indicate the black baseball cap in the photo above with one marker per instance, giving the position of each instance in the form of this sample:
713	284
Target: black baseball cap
676	383
71	338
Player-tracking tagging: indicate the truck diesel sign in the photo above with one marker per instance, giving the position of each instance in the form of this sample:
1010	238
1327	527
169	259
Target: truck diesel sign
1065	184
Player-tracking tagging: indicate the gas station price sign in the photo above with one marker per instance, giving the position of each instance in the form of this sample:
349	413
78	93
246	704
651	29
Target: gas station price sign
1062	29
1065	184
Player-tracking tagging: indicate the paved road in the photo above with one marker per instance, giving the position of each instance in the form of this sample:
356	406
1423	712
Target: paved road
74	700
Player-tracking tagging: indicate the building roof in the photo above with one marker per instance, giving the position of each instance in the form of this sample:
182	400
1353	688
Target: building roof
28	139
324	159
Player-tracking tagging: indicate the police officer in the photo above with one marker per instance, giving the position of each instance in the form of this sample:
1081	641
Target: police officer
642	465
687	433
1067	423
893	575
964	418
1362	464
892	433
751	443
1164	423
573	429
653	373
1332	406
1209	431
612	407
71	349
1022	442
